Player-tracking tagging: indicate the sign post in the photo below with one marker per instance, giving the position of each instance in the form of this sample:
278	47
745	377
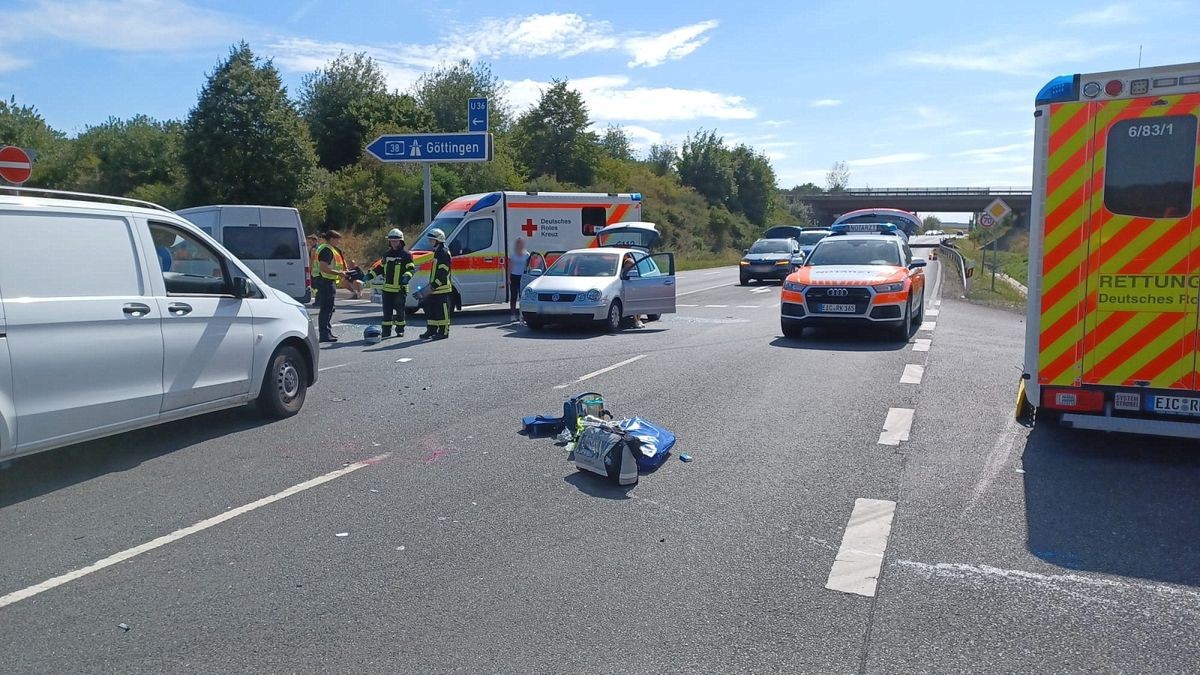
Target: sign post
15	165
429	149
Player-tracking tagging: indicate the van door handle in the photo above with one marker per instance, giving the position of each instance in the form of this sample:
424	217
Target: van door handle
179	308
136	309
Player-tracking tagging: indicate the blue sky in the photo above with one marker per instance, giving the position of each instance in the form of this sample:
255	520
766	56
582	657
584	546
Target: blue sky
908	94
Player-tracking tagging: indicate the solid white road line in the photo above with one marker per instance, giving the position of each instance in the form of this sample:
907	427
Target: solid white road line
602	371
896	426
860	558
701	290
17	596
921	345
912	374
928	325
340	365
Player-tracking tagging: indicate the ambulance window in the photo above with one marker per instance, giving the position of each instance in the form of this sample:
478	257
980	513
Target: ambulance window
1150	165
593	219
473	237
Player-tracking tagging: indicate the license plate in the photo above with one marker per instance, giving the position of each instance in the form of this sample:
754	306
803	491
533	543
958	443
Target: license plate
1175	405
836	308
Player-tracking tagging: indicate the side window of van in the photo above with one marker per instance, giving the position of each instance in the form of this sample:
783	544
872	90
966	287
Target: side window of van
188	266
36	246
475	236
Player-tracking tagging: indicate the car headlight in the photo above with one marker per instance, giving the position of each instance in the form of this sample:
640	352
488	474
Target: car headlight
794	286
591	296
890	288
529	294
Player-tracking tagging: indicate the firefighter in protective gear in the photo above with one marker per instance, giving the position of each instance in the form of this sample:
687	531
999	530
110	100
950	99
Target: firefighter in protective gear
396	268
437	306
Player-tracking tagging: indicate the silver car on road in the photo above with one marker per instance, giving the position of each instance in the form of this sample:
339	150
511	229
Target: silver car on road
605	285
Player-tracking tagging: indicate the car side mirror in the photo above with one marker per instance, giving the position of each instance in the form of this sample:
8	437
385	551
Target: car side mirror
244	288
919	262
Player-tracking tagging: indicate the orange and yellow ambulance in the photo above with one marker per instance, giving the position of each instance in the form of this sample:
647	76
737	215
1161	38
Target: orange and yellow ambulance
1114	254
483	230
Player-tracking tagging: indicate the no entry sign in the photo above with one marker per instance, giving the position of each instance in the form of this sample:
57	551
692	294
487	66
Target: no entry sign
15	165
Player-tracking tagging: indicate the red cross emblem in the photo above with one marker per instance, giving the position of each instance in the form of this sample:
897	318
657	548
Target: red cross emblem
529	228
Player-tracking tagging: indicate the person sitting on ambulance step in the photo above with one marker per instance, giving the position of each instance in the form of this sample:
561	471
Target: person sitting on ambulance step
437	305
397	268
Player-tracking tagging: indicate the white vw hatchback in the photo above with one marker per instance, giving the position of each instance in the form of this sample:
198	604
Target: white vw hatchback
604	285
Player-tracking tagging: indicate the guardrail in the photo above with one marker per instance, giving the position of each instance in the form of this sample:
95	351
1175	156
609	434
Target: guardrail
962	265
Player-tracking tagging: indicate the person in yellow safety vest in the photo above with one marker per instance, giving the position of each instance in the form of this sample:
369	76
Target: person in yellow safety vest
437	306
331	267
397	268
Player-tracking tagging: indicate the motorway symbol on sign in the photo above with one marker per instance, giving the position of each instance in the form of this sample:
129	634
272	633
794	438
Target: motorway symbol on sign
15	165
997	209
986	220
468	147
477	115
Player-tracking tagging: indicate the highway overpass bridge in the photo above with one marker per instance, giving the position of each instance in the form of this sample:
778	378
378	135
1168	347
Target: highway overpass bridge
829	205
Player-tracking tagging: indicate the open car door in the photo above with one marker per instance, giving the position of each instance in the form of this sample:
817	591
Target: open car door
649	288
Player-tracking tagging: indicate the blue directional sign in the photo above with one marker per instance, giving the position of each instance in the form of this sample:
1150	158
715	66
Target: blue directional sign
433	148
477	114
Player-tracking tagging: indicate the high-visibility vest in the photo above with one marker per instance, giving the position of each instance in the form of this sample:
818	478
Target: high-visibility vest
338	264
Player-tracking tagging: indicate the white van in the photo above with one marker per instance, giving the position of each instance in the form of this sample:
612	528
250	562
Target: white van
269	239
117	314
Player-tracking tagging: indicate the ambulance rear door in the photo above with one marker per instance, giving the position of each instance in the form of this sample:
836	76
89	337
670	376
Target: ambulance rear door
1139	316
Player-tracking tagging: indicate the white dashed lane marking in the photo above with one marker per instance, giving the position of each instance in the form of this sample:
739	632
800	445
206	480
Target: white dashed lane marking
897	426
860	557
912	374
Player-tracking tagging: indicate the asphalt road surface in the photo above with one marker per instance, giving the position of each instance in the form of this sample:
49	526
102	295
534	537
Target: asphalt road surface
855	504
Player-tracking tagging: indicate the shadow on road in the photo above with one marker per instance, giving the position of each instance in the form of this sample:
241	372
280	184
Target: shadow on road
36	475
1114	503
840	340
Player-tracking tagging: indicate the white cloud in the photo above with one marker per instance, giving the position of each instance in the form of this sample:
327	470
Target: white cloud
9	62
612	98
826	103
1014	56
899	158
124	25
654	50
1112	15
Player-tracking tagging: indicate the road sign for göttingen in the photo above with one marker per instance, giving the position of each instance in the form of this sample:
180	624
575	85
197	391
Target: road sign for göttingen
432	148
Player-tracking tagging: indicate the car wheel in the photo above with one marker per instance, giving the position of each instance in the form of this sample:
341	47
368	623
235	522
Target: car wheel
285	384
792	329
904	328
653	317
613	323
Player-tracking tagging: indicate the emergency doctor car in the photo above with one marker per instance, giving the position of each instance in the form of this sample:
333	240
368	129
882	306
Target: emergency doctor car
864	274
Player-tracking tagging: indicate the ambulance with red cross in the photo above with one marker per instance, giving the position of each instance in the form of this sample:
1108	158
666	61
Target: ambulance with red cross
1114	253
482	231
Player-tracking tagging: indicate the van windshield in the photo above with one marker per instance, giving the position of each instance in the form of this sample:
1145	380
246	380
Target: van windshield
445	224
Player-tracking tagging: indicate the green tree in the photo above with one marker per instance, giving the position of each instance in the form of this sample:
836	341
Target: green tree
137	153
244	142
754	180
707	165
54	165
615	143
838	178
553	138
345	102
444	91
662	158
